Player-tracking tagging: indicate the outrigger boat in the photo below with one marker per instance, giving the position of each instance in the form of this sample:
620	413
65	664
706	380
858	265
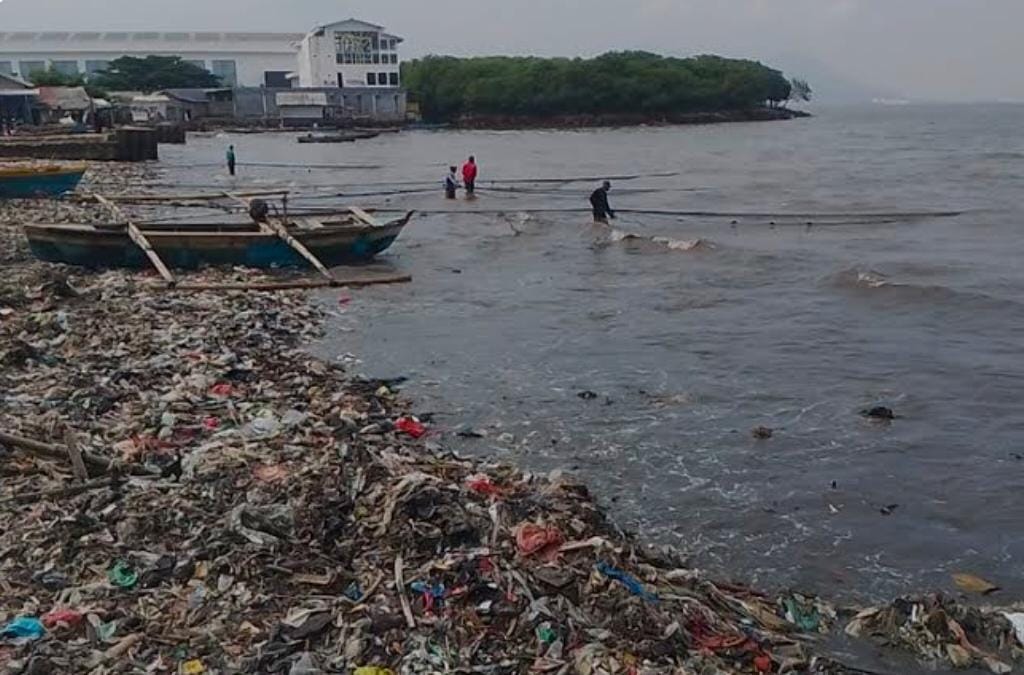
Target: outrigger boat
337	239
27	181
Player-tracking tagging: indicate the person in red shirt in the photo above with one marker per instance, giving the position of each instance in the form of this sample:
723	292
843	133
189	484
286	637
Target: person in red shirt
469	172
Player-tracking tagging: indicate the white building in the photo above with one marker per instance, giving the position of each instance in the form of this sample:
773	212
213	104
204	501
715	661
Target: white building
346	54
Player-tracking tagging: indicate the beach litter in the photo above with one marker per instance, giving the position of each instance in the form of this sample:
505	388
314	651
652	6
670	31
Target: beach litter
315	528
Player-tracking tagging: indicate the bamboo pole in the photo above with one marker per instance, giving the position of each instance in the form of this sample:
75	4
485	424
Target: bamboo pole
136	235
295	285
193	197
282	232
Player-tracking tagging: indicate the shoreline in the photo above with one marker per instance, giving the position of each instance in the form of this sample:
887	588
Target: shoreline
588	121
286	496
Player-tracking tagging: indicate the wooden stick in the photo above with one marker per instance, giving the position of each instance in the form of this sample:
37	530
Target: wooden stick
282	232
135	234
364	216
295	285
60	493
59	454
410	620
75	455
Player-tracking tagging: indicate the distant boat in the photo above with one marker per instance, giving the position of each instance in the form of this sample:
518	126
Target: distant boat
343	137
336	239
30	181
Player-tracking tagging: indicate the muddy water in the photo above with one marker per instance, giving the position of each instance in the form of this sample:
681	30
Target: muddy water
793	326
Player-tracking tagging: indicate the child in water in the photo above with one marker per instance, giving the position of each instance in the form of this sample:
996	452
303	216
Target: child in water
451	183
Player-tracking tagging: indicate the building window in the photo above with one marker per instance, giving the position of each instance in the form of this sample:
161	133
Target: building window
376	58
393	79
382	79
276	79
371	79
355	48
394	58
226	71
29	67
7	67
65	67
93	67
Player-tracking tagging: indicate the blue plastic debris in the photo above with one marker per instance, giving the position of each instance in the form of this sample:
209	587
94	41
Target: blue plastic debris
631	583
24	627
354	592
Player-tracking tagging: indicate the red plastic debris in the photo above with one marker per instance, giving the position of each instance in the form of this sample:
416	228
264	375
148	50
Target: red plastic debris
67	617
211	423
763	663
411	426
481	484
532	539
344	300
222	389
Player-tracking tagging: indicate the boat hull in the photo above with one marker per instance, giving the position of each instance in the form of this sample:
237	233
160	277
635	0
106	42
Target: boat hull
30	184
101	248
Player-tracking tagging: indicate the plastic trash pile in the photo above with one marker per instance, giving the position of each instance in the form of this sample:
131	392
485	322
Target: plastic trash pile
267	512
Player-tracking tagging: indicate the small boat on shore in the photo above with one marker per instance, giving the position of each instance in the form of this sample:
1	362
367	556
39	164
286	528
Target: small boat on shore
344	137
336	239
29	181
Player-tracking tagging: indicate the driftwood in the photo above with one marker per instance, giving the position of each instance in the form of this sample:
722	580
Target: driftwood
60	454
61	493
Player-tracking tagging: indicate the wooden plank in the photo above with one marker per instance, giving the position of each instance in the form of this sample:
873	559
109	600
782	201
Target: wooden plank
189	197
282	232
59	454
364	216
135	234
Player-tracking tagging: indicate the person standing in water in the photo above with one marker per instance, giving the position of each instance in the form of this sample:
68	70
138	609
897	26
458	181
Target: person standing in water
231	159
469	173
451	183
599	201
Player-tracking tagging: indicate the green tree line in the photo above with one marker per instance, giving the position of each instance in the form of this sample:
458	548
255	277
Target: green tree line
614	83
129	73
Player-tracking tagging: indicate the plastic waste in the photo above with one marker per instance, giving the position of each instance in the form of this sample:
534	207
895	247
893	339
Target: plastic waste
1017	619
433	595
807	619
265	427
62	617
631	583
222	390
354	591
411	426
539	540
123	575
304	666
974	584
373	670
24	628
51	580
193	667
481	484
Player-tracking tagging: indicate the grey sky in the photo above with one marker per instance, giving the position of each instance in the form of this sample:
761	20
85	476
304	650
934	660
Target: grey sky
933	49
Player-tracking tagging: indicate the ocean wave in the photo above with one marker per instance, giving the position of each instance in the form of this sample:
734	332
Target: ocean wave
880	285
671	244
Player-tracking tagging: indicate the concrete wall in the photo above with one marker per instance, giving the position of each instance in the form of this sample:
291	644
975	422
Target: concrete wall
253	53
386	105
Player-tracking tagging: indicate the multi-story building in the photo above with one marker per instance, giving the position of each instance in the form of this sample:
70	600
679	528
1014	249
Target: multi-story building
346	54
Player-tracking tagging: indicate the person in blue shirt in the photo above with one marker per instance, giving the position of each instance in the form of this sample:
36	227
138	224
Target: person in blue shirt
231	159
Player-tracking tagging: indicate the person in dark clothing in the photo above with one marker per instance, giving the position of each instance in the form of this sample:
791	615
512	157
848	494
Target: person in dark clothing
451	183
599	200
231	159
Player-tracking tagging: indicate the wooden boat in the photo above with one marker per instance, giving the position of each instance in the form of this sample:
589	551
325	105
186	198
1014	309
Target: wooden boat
38	180
343	137
337	239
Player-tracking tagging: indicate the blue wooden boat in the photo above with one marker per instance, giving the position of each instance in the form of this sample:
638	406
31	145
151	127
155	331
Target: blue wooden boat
344	239
32	181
